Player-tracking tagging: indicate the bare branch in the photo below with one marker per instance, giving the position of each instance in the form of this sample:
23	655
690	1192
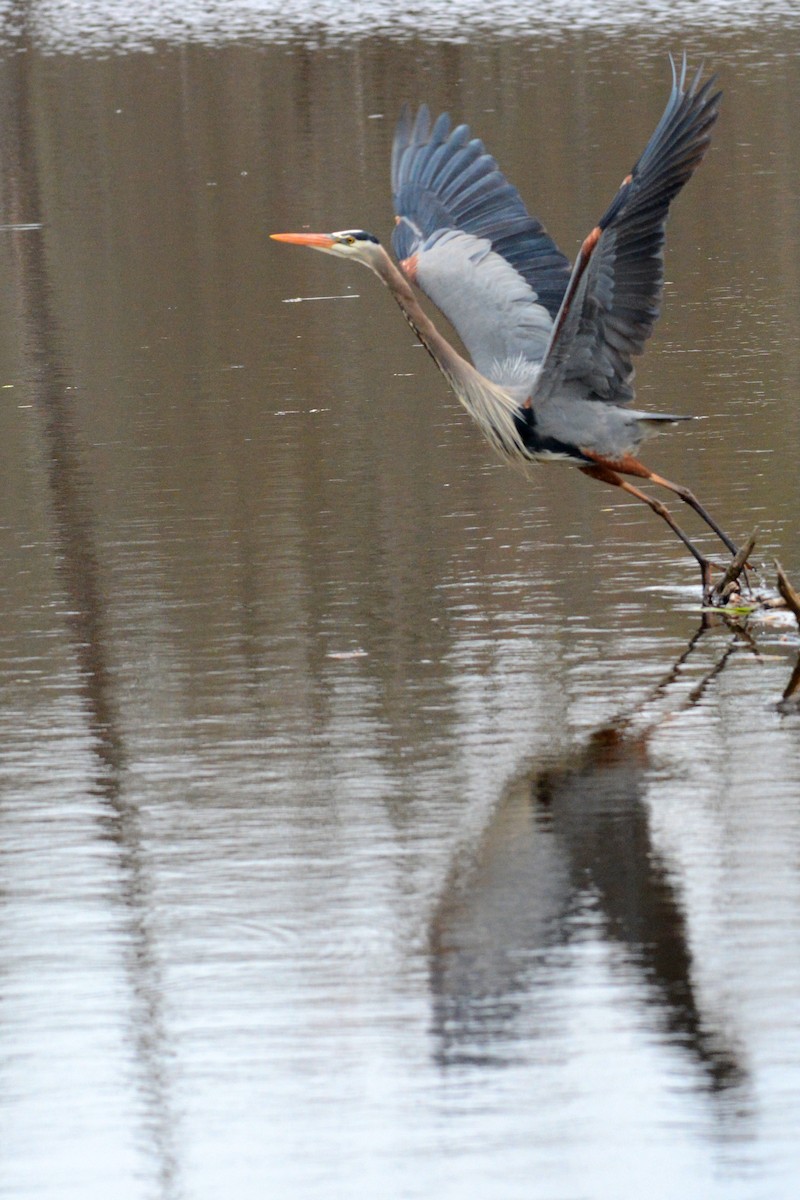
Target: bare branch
789	594
736	565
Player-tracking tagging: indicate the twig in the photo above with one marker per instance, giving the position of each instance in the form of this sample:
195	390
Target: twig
737	564
791	597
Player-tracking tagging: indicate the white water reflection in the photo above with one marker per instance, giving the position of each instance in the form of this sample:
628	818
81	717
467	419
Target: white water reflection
122	25
358	971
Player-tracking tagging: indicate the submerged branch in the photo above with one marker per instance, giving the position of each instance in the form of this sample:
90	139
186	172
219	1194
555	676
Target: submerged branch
735	568
790	596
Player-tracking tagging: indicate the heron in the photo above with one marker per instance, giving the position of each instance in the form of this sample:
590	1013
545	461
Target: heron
551	376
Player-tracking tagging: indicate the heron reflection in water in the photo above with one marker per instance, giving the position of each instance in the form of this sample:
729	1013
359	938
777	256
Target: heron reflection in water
569	853
552	346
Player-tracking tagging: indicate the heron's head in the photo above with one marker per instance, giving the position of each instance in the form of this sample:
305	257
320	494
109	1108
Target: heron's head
354	244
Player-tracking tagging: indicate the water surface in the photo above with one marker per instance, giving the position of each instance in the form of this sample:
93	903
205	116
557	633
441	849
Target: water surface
376	822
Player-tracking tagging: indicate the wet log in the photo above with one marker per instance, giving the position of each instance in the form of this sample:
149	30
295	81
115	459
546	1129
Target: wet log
790	596
735	568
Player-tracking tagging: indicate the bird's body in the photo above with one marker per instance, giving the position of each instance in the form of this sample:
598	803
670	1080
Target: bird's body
551	345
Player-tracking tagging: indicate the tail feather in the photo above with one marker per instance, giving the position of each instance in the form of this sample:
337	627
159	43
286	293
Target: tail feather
662	418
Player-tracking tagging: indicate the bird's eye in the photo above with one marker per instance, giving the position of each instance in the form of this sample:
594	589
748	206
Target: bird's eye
351	241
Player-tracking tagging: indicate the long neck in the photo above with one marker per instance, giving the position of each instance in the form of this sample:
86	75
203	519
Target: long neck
452	365
491	407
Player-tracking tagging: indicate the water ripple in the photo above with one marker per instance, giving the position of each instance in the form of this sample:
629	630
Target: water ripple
120	26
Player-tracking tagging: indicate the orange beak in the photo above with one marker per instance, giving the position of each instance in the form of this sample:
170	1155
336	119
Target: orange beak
322	241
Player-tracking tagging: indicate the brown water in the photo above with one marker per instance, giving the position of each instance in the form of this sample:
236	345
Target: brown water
374	822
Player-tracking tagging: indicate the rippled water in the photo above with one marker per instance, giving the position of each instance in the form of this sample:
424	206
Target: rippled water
375	822
120	25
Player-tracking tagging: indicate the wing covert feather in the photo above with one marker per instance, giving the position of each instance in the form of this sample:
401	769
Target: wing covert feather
490	267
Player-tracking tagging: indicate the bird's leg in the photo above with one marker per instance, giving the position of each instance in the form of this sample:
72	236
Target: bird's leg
606	475
628	465
690	499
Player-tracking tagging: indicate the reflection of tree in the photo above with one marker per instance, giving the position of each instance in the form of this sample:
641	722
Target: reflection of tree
73	538
568	843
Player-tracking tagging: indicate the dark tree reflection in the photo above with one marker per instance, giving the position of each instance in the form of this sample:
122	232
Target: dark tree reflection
74	543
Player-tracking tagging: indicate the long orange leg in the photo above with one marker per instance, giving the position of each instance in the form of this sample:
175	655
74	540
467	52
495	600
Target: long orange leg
628	465
606	475
690	499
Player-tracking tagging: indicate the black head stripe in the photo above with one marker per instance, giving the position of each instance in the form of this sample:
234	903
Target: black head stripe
360	235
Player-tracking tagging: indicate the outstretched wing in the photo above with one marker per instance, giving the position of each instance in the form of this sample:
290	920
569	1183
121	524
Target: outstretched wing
464	236
614	295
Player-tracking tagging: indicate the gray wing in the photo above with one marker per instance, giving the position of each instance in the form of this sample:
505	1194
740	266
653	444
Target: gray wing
614	295
464	236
